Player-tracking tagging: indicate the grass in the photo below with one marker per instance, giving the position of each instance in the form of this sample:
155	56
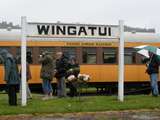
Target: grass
86	104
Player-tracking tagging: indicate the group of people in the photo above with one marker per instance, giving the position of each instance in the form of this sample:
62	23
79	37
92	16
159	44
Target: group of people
60	68
63	69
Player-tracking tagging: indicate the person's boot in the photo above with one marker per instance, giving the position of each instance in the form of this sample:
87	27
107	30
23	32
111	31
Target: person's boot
46	97
50	95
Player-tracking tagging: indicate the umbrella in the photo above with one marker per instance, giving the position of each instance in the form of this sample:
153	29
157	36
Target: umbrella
148	48
144	53
144	49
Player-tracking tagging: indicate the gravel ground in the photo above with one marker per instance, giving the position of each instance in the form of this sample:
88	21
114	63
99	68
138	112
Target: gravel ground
109	115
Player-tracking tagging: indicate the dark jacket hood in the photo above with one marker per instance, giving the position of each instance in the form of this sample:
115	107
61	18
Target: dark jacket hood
5	54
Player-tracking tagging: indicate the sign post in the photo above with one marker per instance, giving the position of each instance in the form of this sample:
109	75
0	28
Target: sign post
121	63
23	61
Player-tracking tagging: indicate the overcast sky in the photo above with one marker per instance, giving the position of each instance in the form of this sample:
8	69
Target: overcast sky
135	13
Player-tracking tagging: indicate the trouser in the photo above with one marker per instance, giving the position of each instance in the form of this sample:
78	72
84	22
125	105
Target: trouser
73	90
12	95
61	87
47	87
154	84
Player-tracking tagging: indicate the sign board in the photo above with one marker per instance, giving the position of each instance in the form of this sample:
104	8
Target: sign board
53	30
72	30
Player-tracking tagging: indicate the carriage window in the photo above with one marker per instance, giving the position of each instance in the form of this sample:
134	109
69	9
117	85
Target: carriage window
89	55
69	51
109	55
29	55
129	56
139	59
50	50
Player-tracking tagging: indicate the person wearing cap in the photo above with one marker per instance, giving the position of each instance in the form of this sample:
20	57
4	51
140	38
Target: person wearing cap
153	69
47	74
11	76
60	73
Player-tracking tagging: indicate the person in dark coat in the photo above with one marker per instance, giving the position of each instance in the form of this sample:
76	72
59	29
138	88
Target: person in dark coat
29	76
153	69
11	75
47	74
73	69
60	73
29	95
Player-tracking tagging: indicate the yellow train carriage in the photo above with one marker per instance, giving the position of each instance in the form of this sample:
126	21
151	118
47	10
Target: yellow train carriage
97	58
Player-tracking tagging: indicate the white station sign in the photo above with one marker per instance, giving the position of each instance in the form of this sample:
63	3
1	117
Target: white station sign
72	30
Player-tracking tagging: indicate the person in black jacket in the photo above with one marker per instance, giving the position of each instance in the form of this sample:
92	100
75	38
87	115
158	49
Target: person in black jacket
73	69
60	73
153	69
